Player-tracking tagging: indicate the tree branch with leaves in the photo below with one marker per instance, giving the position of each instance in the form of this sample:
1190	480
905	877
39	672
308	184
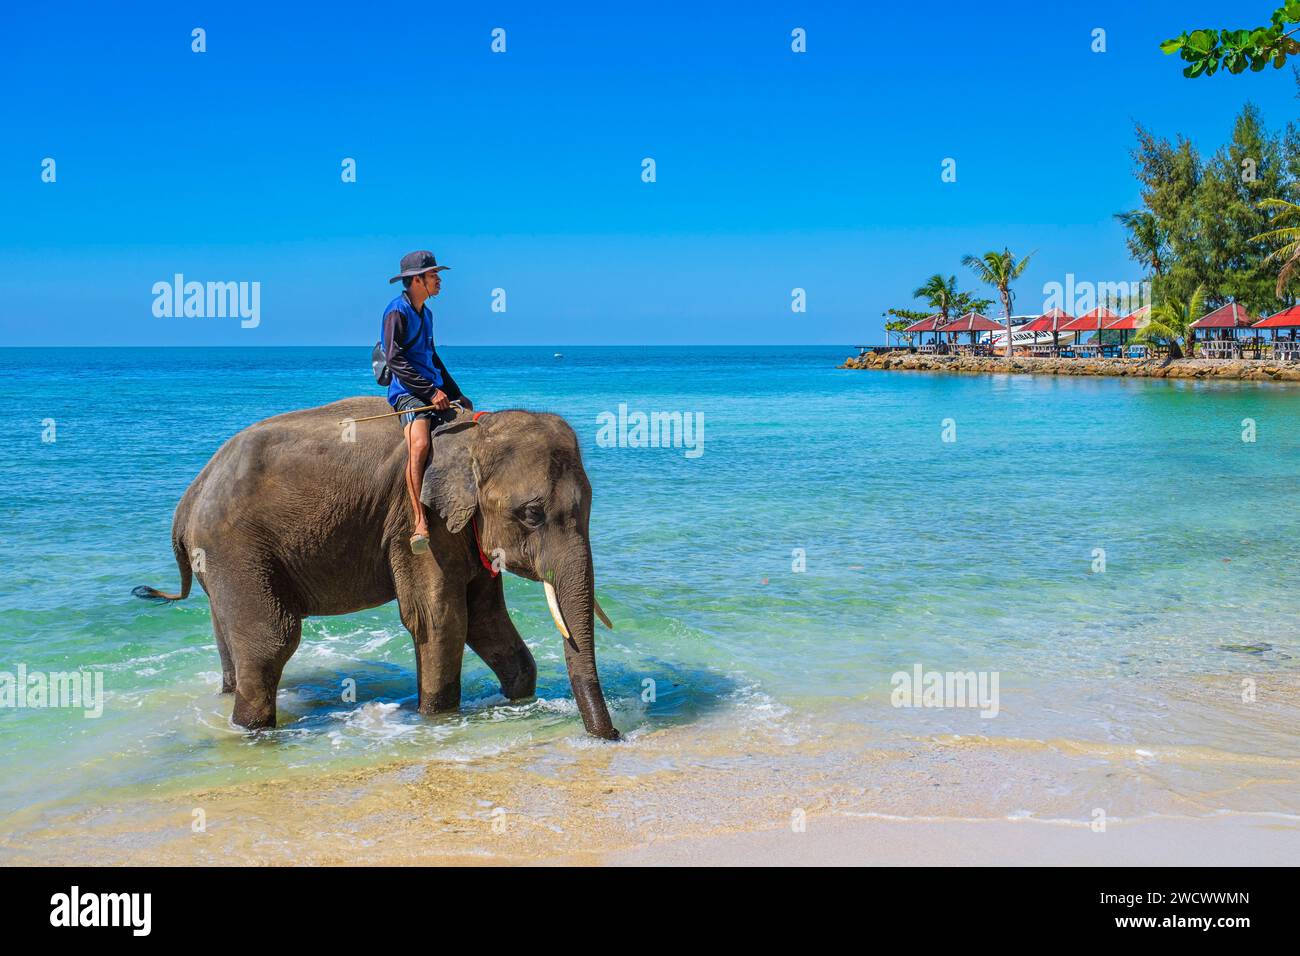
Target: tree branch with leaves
1206	51
902	318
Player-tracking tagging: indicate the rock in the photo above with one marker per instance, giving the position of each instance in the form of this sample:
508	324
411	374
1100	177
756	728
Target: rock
1248	370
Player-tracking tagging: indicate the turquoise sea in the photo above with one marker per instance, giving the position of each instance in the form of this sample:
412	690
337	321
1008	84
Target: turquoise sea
1111	549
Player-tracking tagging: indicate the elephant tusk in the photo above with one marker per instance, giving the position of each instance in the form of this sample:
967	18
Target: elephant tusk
600	613
554	605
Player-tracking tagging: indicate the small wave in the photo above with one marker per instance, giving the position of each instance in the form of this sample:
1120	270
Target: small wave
379	639
1178	754
135	662
375	719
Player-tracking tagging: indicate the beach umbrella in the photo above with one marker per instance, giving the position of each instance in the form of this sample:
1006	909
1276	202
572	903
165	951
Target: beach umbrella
1052	321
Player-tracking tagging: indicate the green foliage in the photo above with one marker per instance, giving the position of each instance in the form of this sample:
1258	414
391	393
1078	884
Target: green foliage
1171	322
942	296
1236	51
940	293
1289	235
902	318
970	302
906	315
999	269
1202	224
1148	238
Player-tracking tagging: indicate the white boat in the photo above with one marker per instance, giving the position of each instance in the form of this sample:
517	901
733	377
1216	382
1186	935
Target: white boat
1024	340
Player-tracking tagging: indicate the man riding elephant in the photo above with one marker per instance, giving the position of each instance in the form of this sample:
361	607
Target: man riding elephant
308	513
419	379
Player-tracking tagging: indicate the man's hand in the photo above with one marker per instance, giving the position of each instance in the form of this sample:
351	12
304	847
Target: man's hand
439	401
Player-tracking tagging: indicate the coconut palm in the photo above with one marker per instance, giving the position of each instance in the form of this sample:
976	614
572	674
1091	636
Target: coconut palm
970	302
999	269
1171	322
1289	235
1148	240
940	293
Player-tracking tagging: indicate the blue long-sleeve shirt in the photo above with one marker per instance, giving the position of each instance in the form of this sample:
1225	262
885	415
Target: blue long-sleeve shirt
408	350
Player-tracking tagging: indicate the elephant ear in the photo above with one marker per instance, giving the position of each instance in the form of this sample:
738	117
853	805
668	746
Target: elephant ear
449	486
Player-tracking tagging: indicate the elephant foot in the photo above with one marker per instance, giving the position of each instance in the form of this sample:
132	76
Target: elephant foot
441	702
520	691
520	686
253	715
521	680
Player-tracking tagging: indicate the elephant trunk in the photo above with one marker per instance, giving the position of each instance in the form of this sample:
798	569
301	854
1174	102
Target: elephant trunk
575	594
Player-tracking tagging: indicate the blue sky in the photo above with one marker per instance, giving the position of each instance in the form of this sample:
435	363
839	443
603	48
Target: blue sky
522	170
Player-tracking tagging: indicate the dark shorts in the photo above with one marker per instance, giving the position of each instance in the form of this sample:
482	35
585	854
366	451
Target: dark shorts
410	401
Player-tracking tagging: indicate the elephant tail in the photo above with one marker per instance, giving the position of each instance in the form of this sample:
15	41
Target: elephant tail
187	576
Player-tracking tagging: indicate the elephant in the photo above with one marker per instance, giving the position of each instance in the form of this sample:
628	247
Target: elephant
307	514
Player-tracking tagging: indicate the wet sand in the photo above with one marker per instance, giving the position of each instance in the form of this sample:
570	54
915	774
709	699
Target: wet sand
1228	840
699	795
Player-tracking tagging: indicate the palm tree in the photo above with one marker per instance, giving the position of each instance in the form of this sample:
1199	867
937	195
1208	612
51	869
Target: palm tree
999	269
1148	240
1289	252
1171	322
970	302
941	293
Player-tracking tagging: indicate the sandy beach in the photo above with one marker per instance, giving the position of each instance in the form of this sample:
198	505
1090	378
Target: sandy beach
367	821
699	795
843	841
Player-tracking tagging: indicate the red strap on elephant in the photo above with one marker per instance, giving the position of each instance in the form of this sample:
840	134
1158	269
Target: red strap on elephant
477	415
478	542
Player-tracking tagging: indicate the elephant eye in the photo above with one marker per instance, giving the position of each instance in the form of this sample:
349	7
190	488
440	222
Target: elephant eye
532	515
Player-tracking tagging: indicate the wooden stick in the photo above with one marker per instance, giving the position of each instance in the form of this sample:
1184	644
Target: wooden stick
404	411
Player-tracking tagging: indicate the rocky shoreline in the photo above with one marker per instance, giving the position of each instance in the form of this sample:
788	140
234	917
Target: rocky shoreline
1252	370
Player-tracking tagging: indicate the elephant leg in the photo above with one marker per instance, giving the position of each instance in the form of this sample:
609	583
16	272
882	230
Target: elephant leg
492	636
227	659
439	635
261	636
434	611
